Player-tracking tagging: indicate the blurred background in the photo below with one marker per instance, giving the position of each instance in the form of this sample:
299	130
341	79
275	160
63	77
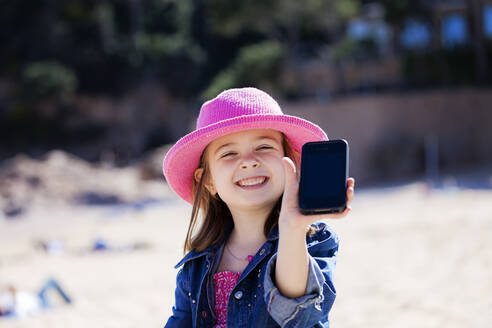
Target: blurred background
93	93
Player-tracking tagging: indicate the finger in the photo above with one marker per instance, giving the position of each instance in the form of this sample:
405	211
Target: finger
350	194
291	184
350	190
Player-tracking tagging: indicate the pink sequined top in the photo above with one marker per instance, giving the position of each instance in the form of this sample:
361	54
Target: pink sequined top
224	283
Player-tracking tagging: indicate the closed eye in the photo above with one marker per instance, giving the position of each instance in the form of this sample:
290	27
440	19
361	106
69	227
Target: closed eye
228	154
264	147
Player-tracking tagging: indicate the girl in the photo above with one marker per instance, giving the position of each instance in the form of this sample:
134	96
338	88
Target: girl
254	260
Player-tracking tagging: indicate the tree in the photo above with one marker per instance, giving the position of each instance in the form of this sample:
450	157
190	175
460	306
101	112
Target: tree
475	8
397	11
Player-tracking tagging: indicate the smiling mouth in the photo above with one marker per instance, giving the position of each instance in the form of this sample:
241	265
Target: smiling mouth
252	181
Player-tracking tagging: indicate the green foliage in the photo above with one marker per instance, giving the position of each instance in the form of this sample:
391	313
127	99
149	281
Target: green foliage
49	79
110	45
347	9
288	28
281	20
254	64
160	47
230	18
348	48
345	48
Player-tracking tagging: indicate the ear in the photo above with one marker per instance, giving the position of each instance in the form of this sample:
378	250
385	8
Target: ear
208	184
198	174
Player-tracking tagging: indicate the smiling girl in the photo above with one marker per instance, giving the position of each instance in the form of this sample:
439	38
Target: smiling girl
252	259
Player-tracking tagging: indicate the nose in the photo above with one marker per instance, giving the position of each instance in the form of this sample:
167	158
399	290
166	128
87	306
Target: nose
250	162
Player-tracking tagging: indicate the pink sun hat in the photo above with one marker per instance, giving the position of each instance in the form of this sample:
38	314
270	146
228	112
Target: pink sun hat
231	111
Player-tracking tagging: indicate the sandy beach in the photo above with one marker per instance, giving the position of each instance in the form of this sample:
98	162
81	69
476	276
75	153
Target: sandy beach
95	94
409	257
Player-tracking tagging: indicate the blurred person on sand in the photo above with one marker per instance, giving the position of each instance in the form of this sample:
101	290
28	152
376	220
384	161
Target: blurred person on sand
254	260
21	304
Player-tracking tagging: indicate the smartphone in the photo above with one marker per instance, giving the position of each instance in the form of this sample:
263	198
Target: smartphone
324	173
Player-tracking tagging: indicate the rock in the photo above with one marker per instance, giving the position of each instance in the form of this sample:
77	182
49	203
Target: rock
150	167
64	178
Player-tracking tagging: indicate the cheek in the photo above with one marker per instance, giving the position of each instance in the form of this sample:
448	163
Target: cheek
273	158
223	168
221	174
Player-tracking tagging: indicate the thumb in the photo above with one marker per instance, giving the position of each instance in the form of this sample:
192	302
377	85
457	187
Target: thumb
291	184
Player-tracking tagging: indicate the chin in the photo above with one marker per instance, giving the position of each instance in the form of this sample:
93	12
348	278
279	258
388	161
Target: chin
261	204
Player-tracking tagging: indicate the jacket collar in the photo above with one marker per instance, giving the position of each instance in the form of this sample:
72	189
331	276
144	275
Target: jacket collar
193	254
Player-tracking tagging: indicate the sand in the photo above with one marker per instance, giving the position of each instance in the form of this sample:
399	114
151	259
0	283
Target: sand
409	257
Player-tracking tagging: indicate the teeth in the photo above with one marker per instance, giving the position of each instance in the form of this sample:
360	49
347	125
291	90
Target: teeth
251	181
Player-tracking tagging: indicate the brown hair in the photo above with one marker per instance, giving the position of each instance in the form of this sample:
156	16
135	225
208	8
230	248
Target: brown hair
217	218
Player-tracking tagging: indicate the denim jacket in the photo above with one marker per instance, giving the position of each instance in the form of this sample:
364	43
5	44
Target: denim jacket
255	301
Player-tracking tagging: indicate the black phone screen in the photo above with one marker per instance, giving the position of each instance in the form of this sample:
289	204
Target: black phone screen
328	173
324	172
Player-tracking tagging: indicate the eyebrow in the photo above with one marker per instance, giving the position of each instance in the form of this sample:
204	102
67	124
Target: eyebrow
225	145
233	143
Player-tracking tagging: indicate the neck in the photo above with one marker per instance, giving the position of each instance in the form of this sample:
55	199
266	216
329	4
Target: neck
248	233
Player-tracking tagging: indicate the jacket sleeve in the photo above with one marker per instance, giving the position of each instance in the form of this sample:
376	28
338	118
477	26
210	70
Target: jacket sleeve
181	317
313	307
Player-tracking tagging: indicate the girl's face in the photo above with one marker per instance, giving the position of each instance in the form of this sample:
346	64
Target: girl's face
246	169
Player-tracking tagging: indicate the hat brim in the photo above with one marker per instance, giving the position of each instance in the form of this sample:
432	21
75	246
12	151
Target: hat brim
183	158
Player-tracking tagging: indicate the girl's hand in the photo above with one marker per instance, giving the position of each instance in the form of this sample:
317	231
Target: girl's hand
290	215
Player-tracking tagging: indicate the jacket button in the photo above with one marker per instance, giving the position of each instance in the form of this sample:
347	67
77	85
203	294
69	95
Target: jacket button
238	295
204	314
262	251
